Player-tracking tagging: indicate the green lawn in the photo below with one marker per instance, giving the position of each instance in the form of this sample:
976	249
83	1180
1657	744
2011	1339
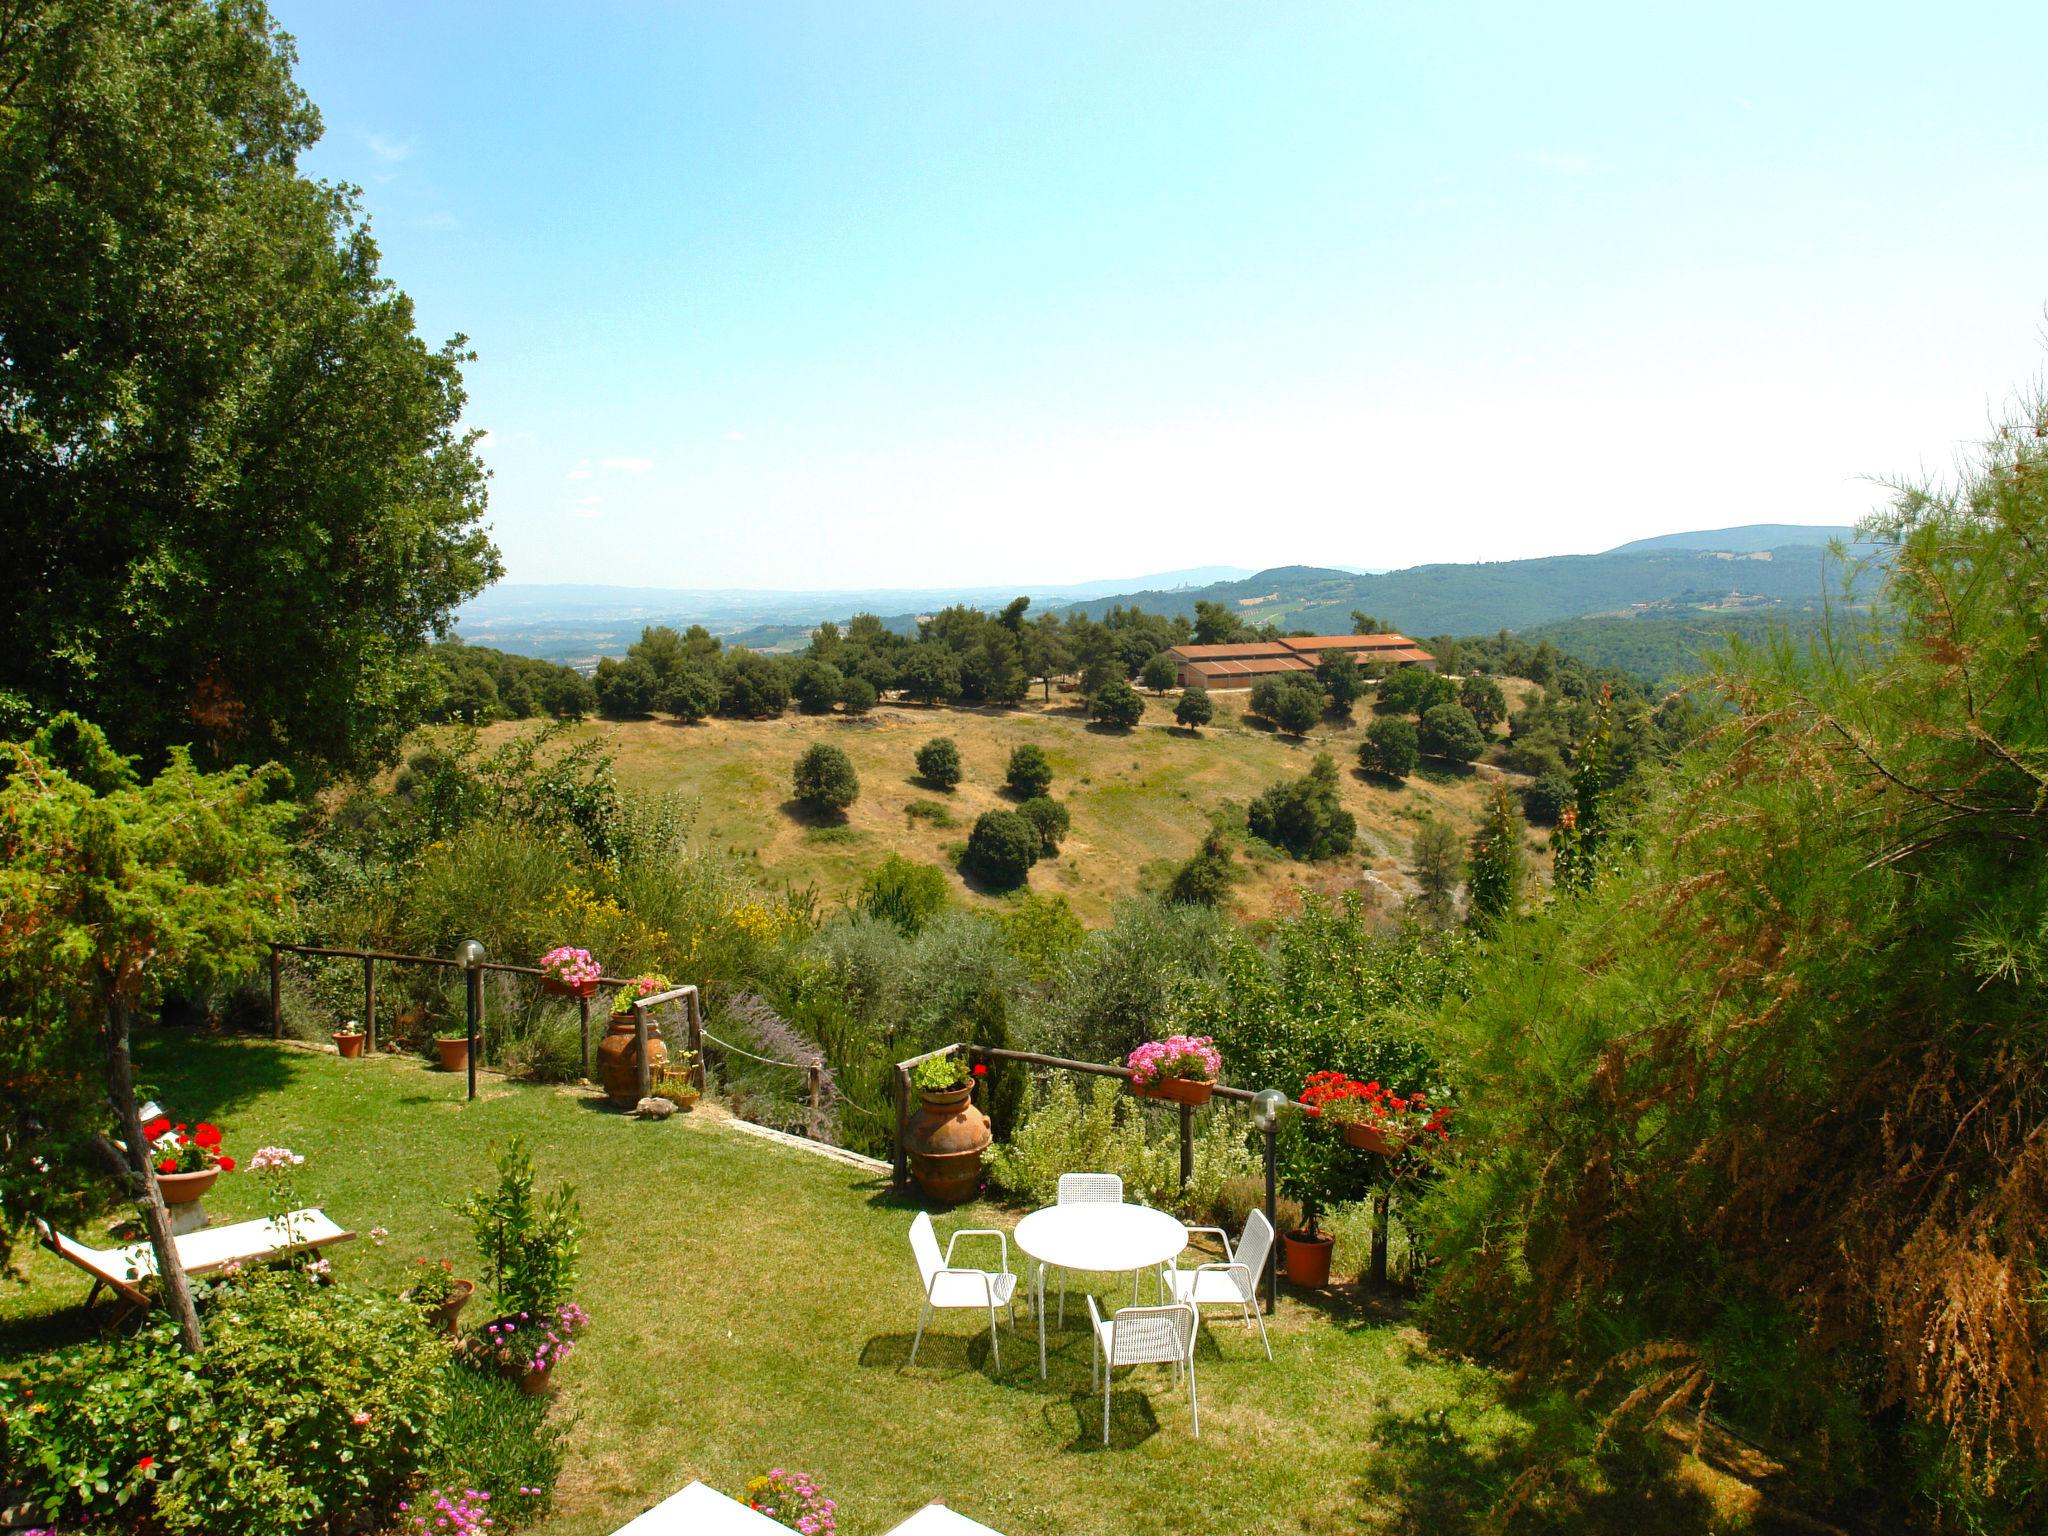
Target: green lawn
753	1306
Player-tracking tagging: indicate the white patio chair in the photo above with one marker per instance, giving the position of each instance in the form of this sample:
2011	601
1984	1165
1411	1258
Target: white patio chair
1085	1189
1235	1281
948	1285
1144	1336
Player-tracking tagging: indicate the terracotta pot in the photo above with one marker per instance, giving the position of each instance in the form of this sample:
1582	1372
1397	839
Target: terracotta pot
184	1188
946	1142
1308	1259
536	1383
1177	1090
1370	1138
349	1045
561	988
454	1053
445	1313
618	1059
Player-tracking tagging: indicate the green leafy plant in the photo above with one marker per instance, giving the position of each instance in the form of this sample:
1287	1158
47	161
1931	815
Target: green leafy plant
938	762
529	1243
433	1284
941	1074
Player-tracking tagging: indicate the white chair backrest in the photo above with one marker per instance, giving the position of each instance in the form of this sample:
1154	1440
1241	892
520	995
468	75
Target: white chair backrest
1143	1335
924	1245
1082	1188
1256	1244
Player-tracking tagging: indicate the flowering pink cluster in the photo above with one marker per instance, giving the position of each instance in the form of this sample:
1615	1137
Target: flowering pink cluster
1190	1056
274	1157
557	1336
450	1514
571	967
795	1500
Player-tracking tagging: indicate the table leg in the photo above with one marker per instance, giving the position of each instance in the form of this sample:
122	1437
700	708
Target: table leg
1041	1322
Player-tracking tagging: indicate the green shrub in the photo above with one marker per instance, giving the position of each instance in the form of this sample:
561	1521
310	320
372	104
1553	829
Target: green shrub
1304	816
1050	818
938	762
824	779
1159	673
904	892
751	685
817	687
1449	731
312	1404
1002	848
1112	1133
1117	703
1415	691
1041	932
1482	696
1194	708
1296	710
1544	799
857	696
1391	747
1030	771
929	811
530	1244
1205	879
495	1437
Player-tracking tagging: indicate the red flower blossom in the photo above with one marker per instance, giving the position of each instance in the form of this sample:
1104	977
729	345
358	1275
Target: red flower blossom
156	1128
167	1165
145	1464
224	1164
980	1070
207	1135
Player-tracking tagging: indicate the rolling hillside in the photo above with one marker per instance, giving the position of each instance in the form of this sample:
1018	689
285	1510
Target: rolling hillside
1140	802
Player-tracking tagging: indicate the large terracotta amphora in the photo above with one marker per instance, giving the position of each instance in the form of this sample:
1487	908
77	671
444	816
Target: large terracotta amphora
618	1059
946	1142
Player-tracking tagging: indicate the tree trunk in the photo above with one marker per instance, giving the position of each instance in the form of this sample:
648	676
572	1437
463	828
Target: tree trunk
1381	1200
142	1174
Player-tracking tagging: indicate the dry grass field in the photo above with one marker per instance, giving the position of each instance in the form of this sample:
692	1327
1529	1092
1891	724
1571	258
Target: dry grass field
1141	800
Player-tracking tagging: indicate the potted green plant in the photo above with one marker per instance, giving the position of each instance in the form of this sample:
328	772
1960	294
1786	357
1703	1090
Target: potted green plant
677	1081
1373	1117
530	1244
1182	1068
453	1045
349	1039
949	1135
187	1158
436	1291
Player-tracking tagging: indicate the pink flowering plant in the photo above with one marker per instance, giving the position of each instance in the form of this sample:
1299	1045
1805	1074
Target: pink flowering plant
795	1500
435	1513
1193	1057
571	968
524	1342
639	987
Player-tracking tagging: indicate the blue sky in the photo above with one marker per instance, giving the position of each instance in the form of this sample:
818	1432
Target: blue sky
777	295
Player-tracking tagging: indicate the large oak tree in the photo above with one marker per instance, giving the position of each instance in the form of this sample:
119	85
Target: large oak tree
240	497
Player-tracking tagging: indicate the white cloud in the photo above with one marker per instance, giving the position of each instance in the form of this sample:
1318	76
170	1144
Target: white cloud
734	437
589	506
388	149
582	471
627	462
1559	162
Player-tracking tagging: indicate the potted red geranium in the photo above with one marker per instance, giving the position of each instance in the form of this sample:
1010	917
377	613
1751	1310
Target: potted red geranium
1372	1117
188	1158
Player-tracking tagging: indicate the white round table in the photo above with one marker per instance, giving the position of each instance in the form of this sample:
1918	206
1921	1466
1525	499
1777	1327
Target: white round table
1098	1237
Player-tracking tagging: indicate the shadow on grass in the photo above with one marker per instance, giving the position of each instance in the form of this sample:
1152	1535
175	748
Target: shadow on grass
65	1325
208	1077
810	816
1132	1420
1378	780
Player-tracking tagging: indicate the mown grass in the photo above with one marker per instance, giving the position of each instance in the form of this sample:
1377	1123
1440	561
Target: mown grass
1141	800
753	1306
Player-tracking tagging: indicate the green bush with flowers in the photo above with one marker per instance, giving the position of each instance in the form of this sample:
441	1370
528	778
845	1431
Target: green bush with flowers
312	1403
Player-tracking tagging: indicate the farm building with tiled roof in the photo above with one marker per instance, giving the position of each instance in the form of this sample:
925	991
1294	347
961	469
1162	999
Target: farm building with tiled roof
1241	664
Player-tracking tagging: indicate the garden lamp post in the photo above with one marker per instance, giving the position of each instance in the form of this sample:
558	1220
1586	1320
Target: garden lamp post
470	956
1266	1105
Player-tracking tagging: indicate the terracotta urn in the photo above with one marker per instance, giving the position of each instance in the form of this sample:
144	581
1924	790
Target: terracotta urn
1176	1090
454	1053
618	1059
184	1188
349	1044
1370	1138
537	1383
946	1142
1308	1258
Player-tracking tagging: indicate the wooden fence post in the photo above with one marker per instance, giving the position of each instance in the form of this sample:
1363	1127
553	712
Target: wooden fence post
902	1157
1381	1201
640	1037
693	1015
1272	1219
583	1008
817	1076
276	993
369	1006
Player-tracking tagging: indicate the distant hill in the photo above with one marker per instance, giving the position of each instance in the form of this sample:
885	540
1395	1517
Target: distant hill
1744	540
1512	594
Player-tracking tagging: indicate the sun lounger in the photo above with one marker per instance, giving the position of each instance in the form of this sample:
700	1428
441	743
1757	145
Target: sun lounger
122	1270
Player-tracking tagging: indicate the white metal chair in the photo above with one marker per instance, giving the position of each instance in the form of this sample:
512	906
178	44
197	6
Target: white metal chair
948	1285
1235	1281
1144	1336
1086	1189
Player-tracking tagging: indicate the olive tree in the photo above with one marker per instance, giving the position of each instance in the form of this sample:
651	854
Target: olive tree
824	779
